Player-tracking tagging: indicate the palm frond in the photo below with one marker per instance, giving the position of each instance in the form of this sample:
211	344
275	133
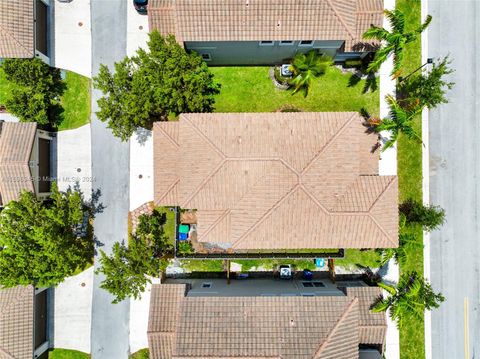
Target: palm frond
375	33
397	19
425	24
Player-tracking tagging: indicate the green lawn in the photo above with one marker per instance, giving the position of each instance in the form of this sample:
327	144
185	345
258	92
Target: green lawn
169	226
67	354
75	100
141	354
355	258
250	89
412	342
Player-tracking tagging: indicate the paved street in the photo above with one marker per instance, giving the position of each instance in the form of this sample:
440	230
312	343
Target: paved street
454	181
110	170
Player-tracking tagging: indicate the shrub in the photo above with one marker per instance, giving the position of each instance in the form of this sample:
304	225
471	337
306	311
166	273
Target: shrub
184	247
429	217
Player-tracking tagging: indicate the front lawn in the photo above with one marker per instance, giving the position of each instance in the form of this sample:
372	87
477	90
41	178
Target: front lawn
67	354
75	100
250	89
141	354
169	225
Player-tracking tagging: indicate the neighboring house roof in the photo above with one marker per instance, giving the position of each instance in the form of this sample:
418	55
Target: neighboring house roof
252	327
277	180
17	29
257	20
16	322
16	143
372	326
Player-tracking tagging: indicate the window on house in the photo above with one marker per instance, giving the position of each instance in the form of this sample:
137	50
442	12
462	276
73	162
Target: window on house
266	43
313	284
206	57
286	43
306	43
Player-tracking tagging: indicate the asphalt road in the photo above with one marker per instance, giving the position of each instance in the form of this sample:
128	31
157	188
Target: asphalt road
455	181
110	170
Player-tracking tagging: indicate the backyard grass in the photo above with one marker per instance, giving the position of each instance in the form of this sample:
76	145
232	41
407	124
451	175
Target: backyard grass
169	226
412	334
141	354
355	258
75	100
67	354
250	89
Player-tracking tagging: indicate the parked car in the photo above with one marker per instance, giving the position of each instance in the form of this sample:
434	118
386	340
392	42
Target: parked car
141	6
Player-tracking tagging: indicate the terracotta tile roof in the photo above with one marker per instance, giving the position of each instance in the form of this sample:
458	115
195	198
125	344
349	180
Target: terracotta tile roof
16	322
372	326
16	142
17	29
255	327
277	180
257	20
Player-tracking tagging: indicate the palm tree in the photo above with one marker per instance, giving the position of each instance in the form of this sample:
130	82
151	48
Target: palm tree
399	121
408	243
410	298
306	67
394	41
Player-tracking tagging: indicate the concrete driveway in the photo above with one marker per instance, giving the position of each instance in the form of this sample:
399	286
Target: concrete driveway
73	159
72	314
137	29
141	168
72	38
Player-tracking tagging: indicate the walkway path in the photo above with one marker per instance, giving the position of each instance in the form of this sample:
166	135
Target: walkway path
110	170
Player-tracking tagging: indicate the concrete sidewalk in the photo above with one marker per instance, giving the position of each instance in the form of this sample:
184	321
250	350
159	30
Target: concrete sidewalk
72	40
388	166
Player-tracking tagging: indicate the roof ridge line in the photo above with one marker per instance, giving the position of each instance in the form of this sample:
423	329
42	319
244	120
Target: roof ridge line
3	351
205	180
175	143
314	199
215	223
169	189
329	2
328	144
382	230
18	42
266	214
208	140
333	331
392	179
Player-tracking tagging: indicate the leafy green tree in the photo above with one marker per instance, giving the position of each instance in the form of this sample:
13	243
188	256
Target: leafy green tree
36	96
394	41
154	85
127	269
430	88
39	241
408	299
400	120
428	216
306	68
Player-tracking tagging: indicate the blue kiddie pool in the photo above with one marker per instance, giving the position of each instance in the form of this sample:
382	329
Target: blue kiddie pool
182	236
319	262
